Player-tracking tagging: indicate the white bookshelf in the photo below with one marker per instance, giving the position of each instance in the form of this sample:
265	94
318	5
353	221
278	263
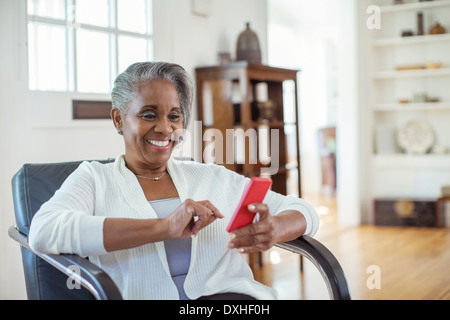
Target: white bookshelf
409	6
419	73
414	162
408	107
398	41
421	174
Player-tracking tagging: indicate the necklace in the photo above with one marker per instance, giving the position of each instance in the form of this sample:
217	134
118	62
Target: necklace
153	179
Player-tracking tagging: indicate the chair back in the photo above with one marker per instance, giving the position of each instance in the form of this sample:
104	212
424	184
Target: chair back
32	186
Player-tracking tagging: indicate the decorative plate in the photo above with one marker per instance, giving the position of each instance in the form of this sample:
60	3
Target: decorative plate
416	137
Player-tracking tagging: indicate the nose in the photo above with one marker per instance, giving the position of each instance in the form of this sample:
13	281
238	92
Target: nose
164	126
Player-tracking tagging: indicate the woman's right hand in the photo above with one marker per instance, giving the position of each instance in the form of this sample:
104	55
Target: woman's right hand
190	217
187	220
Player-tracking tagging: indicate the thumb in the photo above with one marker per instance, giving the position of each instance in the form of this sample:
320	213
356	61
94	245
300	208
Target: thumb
259	208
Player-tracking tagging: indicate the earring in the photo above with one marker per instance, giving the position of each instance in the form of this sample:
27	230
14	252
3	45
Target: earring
119	132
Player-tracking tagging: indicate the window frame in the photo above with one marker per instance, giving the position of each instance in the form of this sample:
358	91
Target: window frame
113	32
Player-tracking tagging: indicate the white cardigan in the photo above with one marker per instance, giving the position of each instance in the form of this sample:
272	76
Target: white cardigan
72	222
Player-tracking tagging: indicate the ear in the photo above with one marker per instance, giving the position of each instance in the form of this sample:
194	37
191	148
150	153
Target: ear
116	116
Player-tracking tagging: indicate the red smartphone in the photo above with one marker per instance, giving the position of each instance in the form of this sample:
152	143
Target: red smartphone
254	193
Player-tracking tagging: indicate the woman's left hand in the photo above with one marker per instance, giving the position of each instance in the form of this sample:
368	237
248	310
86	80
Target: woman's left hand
269	230
258	236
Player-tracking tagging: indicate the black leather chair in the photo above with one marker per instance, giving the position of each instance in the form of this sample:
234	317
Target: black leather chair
49	277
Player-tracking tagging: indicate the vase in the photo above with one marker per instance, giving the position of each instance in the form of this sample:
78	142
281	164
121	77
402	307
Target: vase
437	29
248	48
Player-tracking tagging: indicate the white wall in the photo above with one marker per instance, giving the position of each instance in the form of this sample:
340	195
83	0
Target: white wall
350	170
37	127
194	41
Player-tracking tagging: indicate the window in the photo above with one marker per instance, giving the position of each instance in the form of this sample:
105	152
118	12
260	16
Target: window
82	45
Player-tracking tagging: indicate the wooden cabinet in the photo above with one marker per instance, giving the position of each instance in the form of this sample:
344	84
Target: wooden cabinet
228	108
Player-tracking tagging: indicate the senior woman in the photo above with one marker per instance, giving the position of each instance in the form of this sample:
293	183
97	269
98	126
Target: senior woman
157	225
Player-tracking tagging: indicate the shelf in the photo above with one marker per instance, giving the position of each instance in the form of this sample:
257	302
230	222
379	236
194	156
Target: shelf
412	161
380	75
415	6
411	40
274	124
386	107
218	106
282	170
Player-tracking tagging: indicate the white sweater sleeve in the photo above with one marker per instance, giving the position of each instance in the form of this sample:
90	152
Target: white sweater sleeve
278	203
66	223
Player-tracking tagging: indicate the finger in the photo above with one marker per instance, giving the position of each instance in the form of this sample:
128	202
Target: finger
213	209
200	221
258	248
208	212
250	240
252	234
181	221
262	211
249	230
250	243
191	213
205	215
196	227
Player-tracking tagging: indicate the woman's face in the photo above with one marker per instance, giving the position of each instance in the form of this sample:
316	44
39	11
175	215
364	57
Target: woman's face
148	126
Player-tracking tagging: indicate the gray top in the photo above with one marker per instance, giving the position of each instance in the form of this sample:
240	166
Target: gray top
178	251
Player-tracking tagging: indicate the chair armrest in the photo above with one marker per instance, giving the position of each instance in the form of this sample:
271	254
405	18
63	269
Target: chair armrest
326	263
91	277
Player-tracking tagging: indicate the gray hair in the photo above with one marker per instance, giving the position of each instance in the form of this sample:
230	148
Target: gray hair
127	84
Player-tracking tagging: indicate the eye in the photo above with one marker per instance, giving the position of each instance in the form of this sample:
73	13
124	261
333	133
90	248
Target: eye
148	116
174	116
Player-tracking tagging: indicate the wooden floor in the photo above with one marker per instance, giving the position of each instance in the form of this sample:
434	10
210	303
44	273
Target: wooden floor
382	263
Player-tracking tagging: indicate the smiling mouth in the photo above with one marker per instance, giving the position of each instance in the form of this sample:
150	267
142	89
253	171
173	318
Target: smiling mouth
159	143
